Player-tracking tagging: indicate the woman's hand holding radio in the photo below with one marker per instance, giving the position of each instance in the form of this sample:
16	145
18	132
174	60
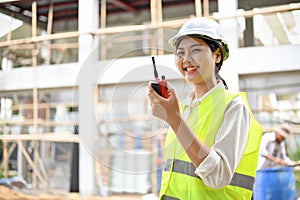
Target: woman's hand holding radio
165	109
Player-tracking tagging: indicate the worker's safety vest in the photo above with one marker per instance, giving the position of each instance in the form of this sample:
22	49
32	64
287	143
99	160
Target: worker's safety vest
179	180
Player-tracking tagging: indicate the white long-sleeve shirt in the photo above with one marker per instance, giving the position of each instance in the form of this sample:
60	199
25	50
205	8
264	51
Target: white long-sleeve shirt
218	167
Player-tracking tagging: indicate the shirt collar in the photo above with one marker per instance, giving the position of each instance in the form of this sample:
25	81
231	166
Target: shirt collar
190	99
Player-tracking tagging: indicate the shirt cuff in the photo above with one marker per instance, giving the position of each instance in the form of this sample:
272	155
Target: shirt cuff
208	165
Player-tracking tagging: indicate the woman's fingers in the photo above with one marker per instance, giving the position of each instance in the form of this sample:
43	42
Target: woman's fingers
153	94
156	100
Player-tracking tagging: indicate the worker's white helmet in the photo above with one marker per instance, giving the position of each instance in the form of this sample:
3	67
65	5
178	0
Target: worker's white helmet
204	28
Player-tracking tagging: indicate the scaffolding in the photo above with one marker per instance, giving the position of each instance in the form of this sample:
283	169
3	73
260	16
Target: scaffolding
35	43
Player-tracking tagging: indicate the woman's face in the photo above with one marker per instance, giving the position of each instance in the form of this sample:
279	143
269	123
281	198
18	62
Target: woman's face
196	61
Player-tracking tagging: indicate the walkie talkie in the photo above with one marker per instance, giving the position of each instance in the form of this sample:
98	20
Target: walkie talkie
160	86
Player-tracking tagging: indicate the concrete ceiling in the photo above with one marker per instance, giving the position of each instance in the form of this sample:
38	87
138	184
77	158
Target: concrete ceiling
283	26
66	10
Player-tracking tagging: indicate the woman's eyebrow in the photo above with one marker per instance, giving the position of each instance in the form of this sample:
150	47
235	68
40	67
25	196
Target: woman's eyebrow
191	46
194	45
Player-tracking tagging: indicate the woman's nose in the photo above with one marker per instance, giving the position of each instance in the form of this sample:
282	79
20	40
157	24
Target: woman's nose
186	58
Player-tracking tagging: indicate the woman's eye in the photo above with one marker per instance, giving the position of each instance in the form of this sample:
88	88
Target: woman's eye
196	50
179	53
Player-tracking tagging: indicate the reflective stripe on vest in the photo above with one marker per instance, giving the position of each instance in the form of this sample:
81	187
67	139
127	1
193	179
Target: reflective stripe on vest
166	197
187	168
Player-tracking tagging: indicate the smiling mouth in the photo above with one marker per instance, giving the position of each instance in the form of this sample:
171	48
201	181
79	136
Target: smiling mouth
190	68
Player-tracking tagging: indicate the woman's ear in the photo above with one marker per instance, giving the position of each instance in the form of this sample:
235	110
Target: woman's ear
218	55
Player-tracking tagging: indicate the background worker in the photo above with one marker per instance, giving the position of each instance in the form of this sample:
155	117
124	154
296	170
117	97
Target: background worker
211	149
272	152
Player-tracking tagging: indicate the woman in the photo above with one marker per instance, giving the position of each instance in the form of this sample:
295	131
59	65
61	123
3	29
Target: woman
211	149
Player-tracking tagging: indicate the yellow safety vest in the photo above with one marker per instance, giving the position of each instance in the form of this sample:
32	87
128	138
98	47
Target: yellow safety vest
179	180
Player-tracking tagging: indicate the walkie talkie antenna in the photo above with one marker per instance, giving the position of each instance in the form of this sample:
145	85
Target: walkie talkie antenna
154	66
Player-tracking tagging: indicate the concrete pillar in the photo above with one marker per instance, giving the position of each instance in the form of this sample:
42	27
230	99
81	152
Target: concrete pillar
230	31
88	20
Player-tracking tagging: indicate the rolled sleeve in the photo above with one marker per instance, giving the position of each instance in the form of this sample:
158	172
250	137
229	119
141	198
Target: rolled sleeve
218	167
213	171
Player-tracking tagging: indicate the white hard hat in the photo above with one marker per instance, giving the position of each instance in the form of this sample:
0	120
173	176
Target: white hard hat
204	28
